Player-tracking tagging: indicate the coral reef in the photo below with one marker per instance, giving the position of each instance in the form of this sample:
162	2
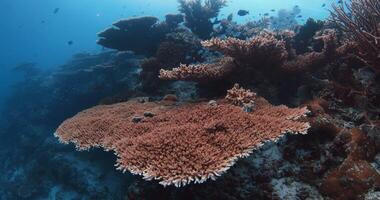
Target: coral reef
361	22
198	15
168	55
201	72
355	176
175	147
305	35
264	49
266	57
326	69
229	28
239	96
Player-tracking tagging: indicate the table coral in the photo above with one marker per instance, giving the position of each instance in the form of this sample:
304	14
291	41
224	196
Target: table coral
181	144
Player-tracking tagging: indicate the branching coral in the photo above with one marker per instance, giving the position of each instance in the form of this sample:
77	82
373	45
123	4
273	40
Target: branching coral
198	15
264	49
312	60
267	53
240	96
180	144
361	21
201	72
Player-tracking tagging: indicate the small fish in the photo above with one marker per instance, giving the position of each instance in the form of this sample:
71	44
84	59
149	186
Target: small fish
266	14
340	1
243	12
323	5
70	42
56	10
42	21
273	10
299	16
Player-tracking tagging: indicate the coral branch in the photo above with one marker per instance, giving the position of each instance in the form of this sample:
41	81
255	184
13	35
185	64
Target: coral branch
198	14
201	72
261	49
240	96
361	21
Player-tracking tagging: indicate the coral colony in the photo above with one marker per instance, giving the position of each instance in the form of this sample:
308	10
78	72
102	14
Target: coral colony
270	109
191	142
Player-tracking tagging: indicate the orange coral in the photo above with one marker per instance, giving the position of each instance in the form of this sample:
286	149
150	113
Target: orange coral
240	96
183	143
355	176
264	53
261	49
201	72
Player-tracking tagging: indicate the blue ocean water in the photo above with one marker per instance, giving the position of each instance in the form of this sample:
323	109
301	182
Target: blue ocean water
49	33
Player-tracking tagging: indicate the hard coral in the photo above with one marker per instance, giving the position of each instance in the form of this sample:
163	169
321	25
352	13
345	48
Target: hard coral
355	176
181	143
360	20
201	72
264	49
198	15
240	96
267	53
141	35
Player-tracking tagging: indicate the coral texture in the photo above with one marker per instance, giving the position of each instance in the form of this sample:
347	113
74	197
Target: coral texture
198	15
180	144
240	96
355	176
361	21
267	53
200	72
263	49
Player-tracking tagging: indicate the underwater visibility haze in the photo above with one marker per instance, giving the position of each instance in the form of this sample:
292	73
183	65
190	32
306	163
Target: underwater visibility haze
190	99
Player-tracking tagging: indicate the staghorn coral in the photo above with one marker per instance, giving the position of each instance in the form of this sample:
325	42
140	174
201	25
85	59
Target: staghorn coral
360	20
198	15
183	143
201	72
